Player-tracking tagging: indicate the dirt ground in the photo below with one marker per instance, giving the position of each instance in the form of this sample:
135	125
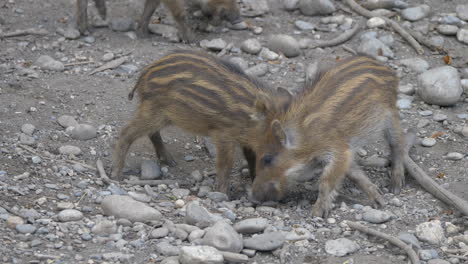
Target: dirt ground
101	100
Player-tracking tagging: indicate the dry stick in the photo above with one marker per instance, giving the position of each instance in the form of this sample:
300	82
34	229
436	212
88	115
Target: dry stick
395	241
31	150
102	173
421	39
22	32
110	65
78	63
427	182
338	40
151	182
404	34
348	49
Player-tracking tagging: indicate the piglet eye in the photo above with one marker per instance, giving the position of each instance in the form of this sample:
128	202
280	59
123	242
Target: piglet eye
267	159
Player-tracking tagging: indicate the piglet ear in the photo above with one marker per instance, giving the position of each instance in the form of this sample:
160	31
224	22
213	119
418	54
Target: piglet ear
285	136
262	105
285	97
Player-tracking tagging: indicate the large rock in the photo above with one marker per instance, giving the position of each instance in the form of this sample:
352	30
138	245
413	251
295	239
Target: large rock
341	247
316	7
223	237
440	86
150	170
213	45
284	44
416	13
431	232
125	207
200	255
67	121
68	215
265	242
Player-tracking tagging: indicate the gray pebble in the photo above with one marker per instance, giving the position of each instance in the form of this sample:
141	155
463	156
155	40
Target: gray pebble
304	25
26	140
462	35
265	242
198	216
104	228
189	158
89	39
416	64
440	86
67	121
426	113
409	239
241	63
375	48
166	249
449	30
68	215
125	207
69	32
376	216
122	24
200	255
196	175
86	236
269	55
28	129
108	57
68	149
25	228
128	69
48	63
407	89
316	7
454	156
431	232
258	70
159	232
36	159
250	226
403	103
416	13
341	247
223	237
428	142
427	254
217	197
83	132
150	170
213	45
284	44
438	261
166	31
251	46
462	12
438	117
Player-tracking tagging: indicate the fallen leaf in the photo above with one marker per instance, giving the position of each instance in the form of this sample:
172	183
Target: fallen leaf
274	62
447	59
448	212
437	134
441	175
62	20
337	58
380	52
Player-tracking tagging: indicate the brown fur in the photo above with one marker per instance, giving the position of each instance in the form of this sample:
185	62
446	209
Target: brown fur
202	95
218	10
325	122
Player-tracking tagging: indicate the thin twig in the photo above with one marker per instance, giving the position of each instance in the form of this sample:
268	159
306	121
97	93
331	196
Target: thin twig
78	63
395	241
427	182
110	65
31	150
400	30
103	174
347	35
151	182
348	49
23	32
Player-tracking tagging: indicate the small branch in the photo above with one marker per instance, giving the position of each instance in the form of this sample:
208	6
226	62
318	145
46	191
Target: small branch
347	35
404	34
110	65
395	241
102	173
348	49
427	182
151	182
23	32
78	63
421	39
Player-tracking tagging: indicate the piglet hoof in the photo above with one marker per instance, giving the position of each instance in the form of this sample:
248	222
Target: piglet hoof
168	161
319	211
116	176
379	202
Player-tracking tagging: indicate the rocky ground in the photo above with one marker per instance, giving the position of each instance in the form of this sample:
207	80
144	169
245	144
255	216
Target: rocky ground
60	113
